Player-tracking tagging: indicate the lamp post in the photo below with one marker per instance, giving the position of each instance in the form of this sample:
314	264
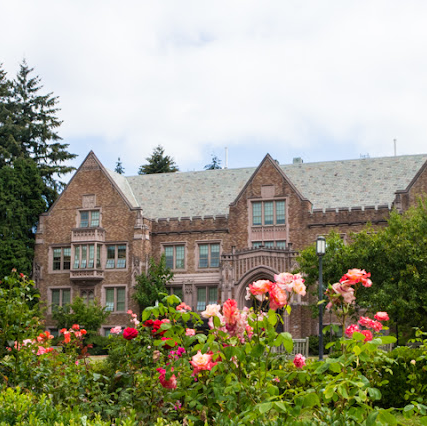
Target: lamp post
320	251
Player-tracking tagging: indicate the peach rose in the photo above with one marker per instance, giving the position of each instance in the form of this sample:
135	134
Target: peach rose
381	316
211	311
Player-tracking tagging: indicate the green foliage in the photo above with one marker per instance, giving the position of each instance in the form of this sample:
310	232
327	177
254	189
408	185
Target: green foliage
31	160
89	316
19	314
152	284
396	258
21	203
119	167
215	164
158	163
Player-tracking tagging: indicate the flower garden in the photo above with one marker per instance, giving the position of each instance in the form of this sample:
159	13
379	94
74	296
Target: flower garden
165	369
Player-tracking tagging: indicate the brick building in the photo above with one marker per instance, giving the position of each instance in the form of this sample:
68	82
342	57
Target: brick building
219	229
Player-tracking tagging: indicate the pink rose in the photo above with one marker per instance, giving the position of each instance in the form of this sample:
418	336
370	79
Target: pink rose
345	291
190	332
259	288
168	384
182	307
116	330
130	333
368	335
230	312
202	362
278	297
299	361
381	316
355	276
351	329
211	311
299	286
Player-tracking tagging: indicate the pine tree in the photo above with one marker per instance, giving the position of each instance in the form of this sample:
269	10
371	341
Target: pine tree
31	159
21	203
34	130
119	167
158	163
215	164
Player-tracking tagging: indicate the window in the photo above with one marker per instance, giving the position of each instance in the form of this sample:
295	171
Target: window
116	257
88	296
268	213
177	291
60	297
54	332
206	296
89	218
61	258
209	255
115	299
269	244
175	257
84	256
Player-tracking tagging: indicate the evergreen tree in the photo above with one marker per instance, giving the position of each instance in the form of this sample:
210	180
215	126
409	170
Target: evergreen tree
34	131
119	167
158	163
21	203
215	164
31	159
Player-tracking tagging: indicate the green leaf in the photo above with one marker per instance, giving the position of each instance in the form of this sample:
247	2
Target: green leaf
358	336
258	350
335	367
357	350
266	406
329	392
374	393
272	317
385	340
281	406
386	418
311	399
287	341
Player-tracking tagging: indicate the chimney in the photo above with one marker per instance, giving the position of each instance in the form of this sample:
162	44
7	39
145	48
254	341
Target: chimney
297	160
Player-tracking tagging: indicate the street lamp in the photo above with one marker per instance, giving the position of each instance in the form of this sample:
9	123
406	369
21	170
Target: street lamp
320	251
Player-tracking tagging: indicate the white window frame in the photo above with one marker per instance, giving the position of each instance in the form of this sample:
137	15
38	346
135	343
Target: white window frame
61	266
116	257
61	296
209	259
97	254
174	246
263	205
199	307
115	287
90	213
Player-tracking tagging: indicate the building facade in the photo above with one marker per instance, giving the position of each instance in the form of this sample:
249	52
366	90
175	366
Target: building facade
219	229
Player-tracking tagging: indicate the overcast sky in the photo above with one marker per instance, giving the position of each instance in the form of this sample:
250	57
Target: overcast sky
321	80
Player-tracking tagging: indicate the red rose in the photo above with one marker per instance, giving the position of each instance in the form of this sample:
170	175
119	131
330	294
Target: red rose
130	333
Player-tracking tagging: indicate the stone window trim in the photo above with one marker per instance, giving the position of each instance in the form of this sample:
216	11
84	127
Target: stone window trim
60	288
105	259
104	297
175	244
97	261
209	243
89	211
50	258
278	244
274	219
198	305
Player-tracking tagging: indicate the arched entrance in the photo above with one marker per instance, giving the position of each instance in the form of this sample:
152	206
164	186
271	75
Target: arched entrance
259	273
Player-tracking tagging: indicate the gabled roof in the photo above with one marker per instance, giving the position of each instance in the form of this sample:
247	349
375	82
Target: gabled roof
332	184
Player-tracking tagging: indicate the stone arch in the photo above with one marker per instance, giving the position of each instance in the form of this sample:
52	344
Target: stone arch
258	273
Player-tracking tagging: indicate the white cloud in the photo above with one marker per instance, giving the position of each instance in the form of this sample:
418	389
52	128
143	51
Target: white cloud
196	76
